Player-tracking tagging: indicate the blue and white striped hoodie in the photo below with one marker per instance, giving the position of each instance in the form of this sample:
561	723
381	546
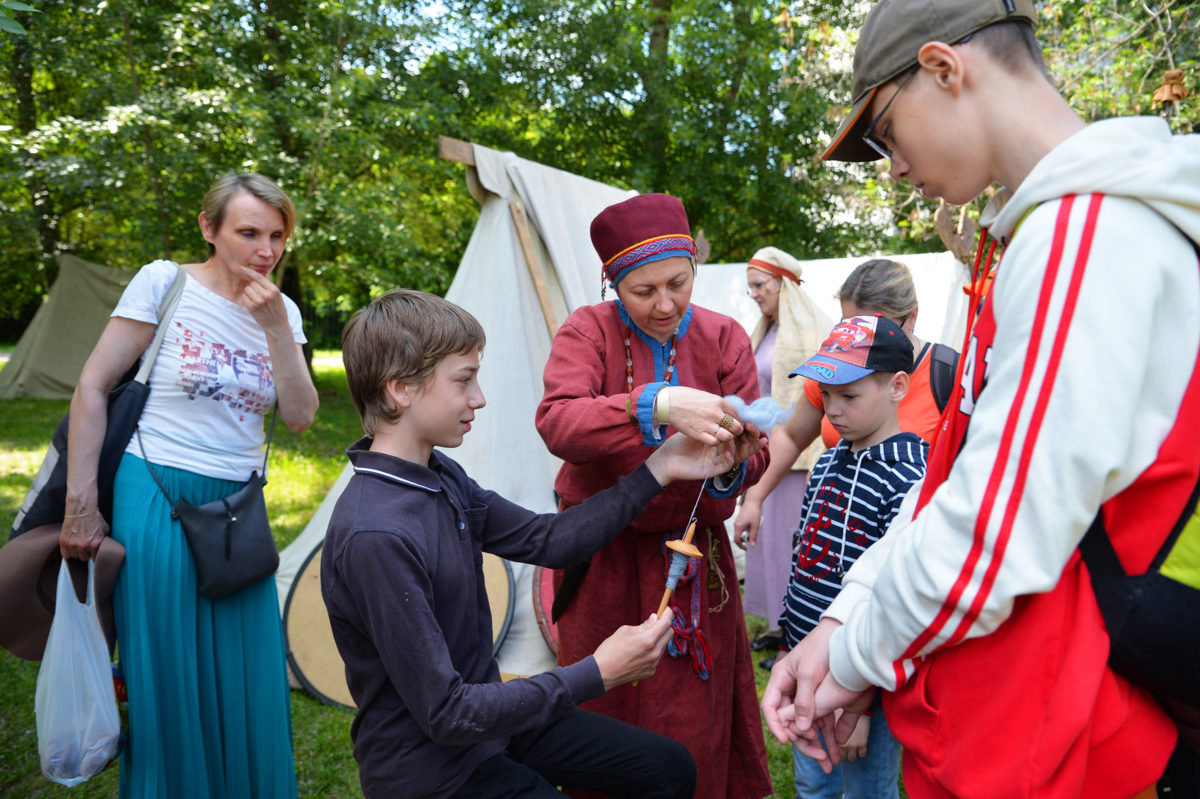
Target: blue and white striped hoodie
850	501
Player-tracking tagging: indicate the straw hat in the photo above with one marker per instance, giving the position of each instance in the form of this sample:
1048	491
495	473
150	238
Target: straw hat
28	585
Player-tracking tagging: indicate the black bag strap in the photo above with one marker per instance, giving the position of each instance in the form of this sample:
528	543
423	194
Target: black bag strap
1101	558
161	487
920	356
153	473
1098	553
943	367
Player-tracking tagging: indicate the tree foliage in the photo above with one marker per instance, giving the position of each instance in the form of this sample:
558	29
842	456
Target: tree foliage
1106	58
8	22
722	104
117	117
1109	57
125	115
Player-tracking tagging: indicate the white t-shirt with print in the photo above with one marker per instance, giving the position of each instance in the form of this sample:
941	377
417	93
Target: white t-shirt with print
211	384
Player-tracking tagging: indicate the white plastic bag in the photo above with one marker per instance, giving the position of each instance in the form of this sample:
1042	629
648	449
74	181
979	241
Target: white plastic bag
77	724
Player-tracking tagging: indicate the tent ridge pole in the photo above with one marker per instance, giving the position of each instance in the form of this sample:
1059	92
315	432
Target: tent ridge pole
456	150
521	221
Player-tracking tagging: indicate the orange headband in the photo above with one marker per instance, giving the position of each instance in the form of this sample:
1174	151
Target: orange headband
774	270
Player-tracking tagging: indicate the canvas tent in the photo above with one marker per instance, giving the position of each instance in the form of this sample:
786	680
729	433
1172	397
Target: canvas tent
49	357
528	263
494	282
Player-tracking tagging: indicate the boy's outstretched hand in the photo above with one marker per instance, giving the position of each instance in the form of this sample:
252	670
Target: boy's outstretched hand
632	653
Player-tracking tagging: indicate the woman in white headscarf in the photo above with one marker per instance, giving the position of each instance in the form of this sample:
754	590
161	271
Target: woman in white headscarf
788	333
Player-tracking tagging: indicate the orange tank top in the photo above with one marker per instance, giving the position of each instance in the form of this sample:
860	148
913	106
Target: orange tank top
917	413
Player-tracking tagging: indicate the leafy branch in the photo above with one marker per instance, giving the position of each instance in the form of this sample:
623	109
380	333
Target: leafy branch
7	22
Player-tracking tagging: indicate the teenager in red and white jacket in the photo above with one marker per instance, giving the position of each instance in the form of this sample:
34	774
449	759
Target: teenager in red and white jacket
1079	391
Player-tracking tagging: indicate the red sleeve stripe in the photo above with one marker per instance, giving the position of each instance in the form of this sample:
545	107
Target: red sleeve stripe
1035	422
946	612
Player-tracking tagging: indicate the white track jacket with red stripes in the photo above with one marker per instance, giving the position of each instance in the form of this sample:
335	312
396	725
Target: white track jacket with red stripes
1079	389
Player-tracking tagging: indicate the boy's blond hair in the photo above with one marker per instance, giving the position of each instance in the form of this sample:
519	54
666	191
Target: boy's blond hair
402	335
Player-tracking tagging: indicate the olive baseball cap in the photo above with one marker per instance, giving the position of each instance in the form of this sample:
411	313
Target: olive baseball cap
887	46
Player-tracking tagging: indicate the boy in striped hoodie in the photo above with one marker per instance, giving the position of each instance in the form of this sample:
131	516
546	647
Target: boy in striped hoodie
855	491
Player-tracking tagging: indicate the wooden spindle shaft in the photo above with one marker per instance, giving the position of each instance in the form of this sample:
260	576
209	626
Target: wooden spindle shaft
662	606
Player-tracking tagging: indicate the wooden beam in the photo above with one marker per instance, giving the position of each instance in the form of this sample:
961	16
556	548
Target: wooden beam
534	264
456	150
464	153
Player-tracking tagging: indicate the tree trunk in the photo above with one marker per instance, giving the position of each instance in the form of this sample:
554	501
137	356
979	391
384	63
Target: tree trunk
164	216
656	111
40	202
288	279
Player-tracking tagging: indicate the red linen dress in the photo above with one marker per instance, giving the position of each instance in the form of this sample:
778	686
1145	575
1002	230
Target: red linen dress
584	420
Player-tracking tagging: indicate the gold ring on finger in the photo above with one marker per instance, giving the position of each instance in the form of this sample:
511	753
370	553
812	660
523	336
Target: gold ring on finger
726	422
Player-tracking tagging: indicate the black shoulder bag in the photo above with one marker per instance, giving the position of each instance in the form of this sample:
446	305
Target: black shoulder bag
230	538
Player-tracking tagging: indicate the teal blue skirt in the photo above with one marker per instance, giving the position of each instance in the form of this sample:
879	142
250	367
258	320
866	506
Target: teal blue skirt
209	709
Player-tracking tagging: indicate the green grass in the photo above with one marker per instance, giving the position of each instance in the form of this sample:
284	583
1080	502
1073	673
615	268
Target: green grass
779	756
302	468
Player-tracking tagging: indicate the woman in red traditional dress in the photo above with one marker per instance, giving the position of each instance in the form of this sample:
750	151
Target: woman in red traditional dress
620	375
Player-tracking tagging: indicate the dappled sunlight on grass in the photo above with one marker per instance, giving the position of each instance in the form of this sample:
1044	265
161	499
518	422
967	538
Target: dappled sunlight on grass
17	467
301	470
296	487
21	460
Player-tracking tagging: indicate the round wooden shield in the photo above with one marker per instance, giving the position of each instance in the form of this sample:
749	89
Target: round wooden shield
313	655
543	600
498	582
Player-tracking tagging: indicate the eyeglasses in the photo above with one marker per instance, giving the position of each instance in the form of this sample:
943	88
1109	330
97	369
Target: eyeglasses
759	286
878	145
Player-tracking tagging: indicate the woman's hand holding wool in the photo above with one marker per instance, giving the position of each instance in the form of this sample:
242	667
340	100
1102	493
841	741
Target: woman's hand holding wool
699	415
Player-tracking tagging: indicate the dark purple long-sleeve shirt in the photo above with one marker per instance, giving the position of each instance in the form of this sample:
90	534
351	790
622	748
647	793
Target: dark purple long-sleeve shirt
401	574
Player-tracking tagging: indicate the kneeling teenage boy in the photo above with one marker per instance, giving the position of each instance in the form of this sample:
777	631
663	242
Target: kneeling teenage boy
402	580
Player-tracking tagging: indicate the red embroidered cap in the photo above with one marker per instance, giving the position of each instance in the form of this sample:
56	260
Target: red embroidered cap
640	230
856	347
